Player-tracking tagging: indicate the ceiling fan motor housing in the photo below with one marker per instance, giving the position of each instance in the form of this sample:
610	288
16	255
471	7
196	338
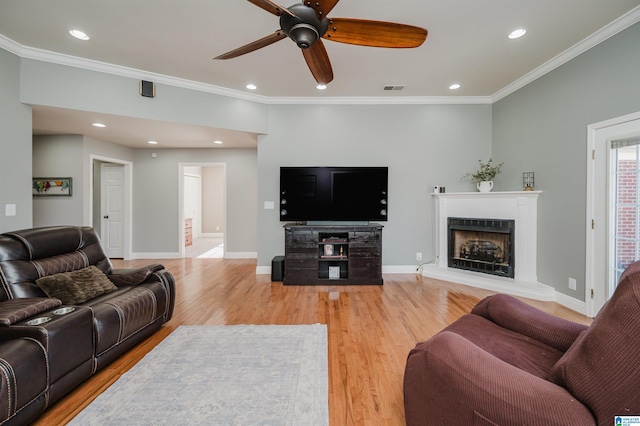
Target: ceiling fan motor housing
305	28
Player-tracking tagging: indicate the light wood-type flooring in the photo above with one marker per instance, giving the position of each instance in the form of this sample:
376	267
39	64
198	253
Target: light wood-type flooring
370	329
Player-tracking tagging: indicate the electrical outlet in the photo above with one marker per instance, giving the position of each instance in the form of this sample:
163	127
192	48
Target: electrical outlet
572	283
418	256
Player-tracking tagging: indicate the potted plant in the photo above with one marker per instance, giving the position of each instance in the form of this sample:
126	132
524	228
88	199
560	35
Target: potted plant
483	177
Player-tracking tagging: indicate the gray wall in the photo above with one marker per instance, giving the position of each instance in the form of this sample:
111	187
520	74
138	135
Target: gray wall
43	83
15	147
213	200
423	145
70	156
543	128
59	156
155	197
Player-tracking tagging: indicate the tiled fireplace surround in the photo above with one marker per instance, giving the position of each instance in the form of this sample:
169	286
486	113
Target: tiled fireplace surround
520	206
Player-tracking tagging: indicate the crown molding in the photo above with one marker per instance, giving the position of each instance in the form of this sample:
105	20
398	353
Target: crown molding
620	24
375	100
606	32
10	46
121	71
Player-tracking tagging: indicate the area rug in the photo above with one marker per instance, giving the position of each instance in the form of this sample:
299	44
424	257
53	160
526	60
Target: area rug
223	375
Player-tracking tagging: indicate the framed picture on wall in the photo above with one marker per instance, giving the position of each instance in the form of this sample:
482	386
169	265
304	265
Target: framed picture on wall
52	187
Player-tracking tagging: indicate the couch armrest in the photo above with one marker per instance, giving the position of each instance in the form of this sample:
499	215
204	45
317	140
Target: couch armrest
133	276
14	310
449	380
515	315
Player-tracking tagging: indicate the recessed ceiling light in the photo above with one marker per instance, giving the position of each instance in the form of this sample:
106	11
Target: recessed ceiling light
454	86
252	86
152	143
218	142
80	35
98	125
321	86
517	33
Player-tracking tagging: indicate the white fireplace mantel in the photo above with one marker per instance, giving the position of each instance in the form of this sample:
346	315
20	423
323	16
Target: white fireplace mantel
521	206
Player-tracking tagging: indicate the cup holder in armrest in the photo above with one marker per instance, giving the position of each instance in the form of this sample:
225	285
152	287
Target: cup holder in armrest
38	321
65	310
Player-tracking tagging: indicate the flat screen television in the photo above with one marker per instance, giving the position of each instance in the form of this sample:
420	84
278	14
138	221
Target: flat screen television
333	194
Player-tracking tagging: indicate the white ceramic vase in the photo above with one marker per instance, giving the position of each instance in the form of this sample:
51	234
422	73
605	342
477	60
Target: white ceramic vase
485	186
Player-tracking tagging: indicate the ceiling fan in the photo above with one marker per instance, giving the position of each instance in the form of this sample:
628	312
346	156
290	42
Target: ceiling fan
307	24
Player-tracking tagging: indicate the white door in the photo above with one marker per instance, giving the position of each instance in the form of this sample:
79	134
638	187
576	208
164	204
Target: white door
192	203
112	207
614	207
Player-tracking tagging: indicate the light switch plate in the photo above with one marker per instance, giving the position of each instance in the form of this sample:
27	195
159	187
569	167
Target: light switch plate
9	209
269	205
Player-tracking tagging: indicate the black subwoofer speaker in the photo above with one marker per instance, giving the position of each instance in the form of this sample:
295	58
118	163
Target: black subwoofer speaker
277	268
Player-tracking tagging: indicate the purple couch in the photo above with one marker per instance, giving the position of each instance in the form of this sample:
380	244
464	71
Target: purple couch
507	363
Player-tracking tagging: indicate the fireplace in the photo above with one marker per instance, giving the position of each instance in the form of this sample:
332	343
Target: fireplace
482	245
520	207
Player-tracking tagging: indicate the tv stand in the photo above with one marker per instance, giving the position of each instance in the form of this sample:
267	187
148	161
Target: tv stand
333	254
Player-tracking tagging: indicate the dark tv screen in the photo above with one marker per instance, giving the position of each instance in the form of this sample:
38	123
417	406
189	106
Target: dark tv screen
333	194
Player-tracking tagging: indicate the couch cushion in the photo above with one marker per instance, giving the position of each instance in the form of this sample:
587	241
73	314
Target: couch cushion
516	349
76	287
602	368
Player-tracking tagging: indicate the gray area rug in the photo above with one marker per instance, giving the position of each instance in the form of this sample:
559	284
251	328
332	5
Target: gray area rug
223	375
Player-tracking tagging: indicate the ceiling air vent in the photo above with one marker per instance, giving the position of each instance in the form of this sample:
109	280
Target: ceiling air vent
394	87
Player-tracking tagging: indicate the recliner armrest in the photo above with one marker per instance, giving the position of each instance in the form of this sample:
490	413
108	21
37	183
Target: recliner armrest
133	276
15	310
450	380
515	315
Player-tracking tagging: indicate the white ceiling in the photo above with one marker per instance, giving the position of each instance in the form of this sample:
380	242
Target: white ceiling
467	44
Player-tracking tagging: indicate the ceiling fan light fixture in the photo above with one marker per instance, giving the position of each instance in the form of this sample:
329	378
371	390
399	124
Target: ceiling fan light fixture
454	86
251	86
304	35
321	86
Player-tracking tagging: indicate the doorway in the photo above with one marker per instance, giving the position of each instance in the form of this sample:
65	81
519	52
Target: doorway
119	208
203	208
112	209
613	231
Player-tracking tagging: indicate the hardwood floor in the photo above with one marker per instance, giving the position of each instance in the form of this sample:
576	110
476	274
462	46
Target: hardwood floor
370	329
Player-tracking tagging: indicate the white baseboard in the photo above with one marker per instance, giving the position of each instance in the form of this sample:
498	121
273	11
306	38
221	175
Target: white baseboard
571	303
263	270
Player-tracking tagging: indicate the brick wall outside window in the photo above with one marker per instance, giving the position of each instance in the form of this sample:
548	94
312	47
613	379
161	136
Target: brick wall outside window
626	224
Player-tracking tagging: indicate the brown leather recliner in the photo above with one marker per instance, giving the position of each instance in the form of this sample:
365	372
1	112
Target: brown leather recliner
507	363
48	348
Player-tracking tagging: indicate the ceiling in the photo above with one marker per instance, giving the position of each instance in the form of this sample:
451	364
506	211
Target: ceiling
467	44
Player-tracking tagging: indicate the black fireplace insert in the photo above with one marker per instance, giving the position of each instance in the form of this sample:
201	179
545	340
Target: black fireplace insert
482	245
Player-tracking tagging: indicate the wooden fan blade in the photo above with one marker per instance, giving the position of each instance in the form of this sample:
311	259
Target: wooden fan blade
318	62
374	33
258	44
322	7
272	7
